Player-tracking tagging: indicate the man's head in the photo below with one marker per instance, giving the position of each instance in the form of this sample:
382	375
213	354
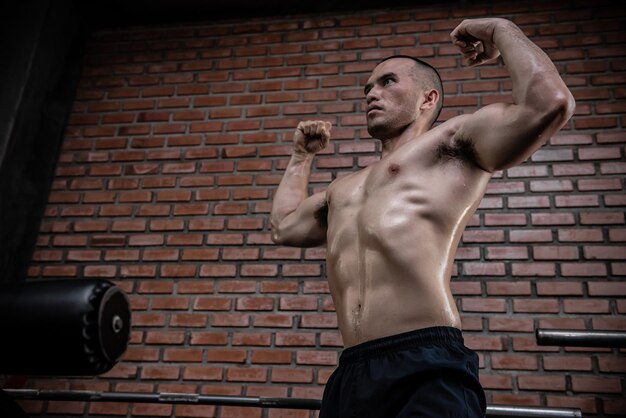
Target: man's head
400	91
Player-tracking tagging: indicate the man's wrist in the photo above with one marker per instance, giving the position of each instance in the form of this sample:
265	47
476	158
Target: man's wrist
302	156
504	27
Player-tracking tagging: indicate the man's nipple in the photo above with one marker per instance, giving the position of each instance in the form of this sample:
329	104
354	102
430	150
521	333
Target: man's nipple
394	169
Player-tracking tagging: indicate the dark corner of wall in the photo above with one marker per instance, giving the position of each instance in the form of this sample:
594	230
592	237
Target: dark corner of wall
43	48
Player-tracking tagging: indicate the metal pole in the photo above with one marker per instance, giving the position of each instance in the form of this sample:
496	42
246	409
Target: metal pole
581	338
499	411
167	398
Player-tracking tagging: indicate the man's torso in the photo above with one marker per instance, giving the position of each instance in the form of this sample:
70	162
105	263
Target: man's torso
393	230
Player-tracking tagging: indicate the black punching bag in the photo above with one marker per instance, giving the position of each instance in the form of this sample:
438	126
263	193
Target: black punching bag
72	327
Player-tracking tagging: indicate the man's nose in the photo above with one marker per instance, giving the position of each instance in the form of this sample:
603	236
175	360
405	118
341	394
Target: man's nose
372	95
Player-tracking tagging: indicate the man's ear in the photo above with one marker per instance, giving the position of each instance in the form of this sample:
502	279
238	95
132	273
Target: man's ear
431	97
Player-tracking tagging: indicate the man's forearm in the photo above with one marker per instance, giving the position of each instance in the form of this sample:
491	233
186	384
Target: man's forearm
536	81
293	187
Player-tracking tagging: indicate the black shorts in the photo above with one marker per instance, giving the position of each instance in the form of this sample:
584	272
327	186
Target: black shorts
423	373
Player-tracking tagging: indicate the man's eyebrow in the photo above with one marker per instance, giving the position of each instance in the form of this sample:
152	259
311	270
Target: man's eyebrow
385	75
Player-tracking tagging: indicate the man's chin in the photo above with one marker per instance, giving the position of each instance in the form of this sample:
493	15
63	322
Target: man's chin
376	130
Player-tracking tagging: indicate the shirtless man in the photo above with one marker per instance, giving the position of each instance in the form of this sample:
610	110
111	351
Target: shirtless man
392	229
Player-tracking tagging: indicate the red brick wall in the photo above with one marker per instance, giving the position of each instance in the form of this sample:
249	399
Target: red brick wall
180	134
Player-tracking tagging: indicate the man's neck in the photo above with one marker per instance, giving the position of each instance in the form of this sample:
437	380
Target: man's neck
409	133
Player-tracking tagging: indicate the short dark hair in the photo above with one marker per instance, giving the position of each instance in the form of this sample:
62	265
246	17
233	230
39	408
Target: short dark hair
433	79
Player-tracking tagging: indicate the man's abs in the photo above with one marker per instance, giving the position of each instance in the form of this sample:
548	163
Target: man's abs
376	295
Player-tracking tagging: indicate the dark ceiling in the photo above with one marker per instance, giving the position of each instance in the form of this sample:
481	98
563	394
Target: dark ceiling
115	13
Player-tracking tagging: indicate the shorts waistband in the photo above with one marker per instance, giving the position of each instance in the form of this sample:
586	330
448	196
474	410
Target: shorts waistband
424	336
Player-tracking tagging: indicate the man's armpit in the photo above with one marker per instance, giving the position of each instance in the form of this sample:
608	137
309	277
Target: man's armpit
460	149
321	214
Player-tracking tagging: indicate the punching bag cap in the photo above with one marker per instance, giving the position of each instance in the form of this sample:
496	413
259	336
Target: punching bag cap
62	327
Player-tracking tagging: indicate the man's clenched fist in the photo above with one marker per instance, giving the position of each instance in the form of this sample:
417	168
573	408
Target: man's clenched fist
311	136
474	38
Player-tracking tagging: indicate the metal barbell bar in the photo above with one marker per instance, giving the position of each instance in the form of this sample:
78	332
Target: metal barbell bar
493	411
581	338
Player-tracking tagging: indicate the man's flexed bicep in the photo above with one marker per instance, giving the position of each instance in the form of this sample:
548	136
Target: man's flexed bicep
502	134
297	219
306	226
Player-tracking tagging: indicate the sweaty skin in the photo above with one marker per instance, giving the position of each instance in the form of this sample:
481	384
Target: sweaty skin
392	229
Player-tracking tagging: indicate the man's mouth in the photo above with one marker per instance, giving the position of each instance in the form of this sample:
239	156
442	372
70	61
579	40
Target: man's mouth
370	109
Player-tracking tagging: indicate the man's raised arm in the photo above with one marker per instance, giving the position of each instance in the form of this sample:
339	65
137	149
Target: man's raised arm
297	220
506	134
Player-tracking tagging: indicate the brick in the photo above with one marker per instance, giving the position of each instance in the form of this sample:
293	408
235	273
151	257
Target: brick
605	252
567	363
514	362
579	235
226	356
504	253
317	357
483	305
273	320
561	323
545	383
536	305
535	235
195	411
559	288
251	339
208	338
212	304
237	286
596	384
587	269
585	306
304	303
141	354
204	373
483	269
511	324
182	355
230	320
501	219
577	169
247	374
508	288
255	304
611	364
170	303
318	321
188	320
586	404
599	184
292	375
555	253
608	323
222	270
165	337
552	219
606	288
295	339
271	357
310	270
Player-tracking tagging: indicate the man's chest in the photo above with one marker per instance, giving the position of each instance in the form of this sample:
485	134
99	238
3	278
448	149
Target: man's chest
396	190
